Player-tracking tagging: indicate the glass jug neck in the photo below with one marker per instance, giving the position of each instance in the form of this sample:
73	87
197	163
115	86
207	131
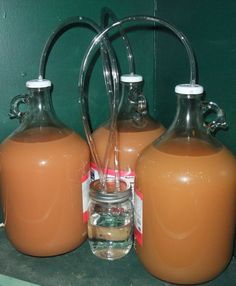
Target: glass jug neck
188	120
188	129
41	111
133	102
40	100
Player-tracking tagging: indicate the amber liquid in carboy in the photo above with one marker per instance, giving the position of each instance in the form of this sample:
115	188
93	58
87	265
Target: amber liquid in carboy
42	186
188	192
132	140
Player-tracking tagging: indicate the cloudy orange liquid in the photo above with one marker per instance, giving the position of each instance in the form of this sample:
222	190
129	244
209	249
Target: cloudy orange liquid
42	196
188	210
131	141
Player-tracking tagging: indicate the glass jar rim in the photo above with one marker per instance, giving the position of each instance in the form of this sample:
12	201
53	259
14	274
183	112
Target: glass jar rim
98	193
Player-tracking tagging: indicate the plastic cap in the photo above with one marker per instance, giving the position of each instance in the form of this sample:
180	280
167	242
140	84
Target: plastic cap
131	78
189	89
38	83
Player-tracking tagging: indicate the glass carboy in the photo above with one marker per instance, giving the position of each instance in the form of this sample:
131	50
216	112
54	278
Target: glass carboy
135	129
185	196
44	174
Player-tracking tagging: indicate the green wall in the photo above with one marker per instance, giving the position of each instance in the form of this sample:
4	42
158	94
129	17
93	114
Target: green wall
210	28
209	25
24	27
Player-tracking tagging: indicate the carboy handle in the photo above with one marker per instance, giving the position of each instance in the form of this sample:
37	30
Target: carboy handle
15	106
219	122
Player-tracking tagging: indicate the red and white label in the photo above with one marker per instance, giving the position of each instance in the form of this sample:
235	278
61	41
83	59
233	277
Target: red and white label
138	217
85	181
128	176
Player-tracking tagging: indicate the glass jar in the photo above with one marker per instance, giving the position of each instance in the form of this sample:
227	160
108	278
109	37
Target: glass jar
185	196
135	130
44	175
110	223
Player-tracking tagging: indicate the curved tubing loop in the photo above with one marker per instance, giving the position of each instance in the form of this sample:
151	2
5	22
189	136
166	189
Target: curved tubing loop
104	46
115	77
107	13
179	34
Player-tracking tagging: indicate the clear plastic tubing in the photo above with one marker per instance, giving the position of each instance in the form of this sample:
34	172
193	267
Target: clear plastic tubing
115	77
178	33
104	46
107	13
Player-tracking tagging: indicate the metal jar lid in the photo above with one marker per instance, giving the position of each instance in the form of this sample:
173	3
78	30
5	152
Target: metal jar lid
98	193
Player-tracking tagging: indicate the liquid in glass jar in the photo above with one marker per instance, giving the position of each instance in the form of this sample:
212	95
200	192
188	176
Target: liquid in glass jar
110	224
